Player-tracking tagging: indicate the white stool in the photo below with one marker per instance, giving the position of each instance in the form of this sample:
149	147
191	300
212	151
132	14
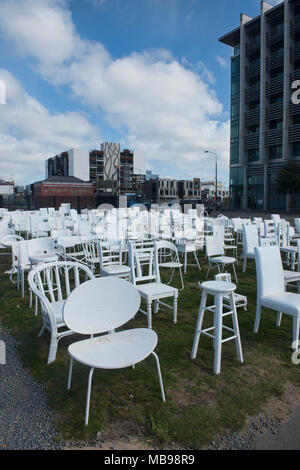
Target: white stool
218	289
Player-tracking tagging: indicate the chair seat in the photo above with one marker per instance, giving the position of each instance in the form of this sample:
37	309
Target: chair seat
218	286
170	264
115	351
156	289
286	302
290	276
186	247
115	269
289	249
223	259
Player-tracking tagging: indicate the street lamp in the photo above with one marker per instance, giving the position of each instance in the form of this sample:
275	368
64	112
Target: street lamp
216	173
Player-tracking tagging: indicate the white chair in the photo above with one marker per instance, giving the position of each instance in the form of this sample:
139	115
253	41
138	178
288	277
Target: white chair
240	300
215	254
168	258
52	283
271	289
250	241
110	259
143	258
101	306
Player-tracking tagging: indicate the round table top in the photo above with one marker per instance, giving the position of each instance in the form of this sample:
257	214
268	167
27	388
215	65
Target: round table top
218	286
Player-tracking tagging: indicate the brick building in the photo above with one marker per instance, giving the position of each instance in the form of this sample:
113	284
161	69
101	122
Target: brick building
55	190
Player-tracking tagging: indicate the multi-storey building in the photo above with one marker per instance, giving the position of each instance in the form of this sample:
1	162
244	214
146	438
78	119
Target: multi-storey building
110	169
265	124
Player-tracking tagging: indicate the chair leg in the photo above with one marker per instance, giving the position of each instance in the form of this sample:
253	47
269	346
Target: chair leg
181	278
88	397
234	272
70	373
296	329
160	377
199	325
218	333
149	314
279	317
52	350
175	310
197	261
257	318
245	263
236	329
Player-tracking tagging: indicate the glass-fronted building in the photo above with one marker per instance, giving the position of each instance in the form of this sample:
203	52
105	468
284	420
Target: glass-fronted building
265	124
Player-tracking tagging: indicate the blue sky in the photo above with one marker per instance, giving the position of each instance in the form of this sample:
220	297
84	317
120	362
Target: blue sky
149	74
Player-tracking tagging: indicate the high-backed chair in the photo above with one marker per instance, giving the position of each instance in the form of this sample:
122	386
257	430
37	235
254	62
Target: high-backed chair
143	261
271	289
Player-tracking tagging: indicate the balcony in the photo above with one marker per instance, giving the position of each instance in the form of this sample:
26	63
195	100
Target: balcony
252	117
275	34
274	112
253	45
274	86
252	93
273	137
275	59
294	133
295	25
251	141
295	52
253	69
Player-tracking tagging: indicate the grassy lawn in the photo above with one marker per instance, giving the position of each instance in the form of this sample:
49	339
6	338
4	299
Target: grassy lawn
199	405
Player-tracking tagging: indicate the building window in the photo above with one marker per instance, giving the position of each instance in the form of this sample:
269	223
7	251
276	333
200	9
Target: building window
253	155
296	149
276	125
275	151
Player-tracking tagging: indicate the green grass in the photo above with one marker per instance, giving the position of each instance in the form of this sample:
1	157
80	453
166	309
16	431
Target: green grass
199	405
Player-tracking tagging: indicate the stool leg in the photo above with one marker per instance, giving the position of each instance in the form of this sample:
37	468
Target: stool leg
236	329
199	324
218	332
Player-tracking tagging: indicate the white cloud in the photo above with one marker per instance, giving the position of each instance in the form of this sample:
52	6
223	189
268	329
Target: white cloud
29	133
157	104
222	62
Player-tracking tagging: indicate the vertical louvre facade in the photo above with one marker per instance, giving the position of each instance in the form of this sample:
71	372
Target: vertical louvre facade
265	125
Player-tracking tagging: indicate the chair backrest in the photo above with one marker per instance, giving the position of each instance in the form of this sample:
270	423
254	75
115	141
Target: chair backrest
250	238
214	246
225	277
101	305
169	247
54	282
40	245
269	270
143	262
110	253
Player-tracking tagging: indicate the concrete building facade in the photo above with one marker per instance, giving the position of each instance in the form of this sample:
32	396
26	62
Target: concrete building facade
265	124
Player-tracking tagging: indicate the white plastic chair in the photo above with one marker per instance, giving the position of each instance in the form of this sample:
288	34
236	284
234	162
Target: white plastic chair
271	289
101	306
145	258
52	283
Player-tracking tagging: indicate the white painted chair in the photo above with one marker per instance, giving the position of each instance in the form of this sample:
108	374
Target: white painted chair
271	289
168	258
250	241
117	301
110	259
215	254
240	300
52	283
145	258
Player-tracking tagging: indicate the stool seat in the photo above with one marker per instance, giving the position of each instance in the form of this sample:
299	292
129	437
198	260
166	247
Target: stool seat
218	286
